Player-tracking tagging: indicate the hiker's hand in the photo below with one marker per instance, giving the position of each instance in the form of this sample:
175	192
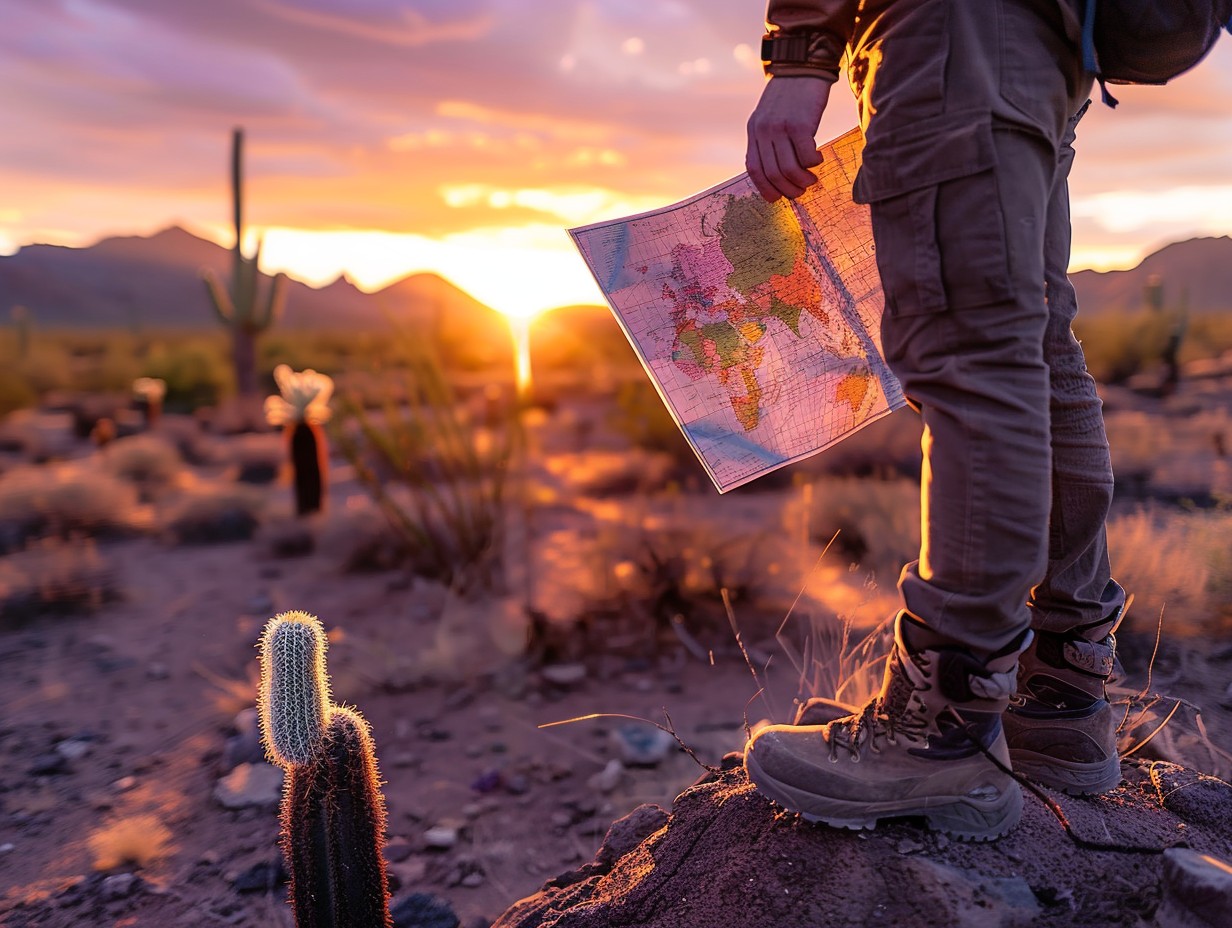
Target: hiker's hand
782	146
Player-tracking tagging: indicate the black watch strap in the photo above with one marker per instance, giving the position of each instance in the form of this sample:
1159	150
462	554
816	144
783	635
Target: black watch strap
786	48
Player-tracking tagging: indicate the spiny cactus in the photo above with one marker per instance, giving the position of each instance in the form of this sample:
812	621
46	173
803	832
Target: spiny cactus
240	307
333	814
294	694
333	827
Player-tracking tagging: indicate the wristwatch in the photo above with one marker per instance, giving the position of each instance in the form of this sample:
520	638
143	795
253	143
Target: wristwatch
795	49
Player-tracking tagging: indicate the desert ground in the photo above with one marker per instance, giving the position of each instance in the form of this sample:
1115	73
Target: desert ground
138	577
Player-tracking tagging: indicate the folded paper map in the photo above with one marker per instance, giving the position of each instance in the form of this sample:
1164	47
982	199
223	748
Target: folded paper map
759	323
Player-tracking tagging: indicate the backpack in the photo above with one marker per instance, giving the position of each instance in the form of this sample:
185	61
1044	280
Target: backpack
1148	41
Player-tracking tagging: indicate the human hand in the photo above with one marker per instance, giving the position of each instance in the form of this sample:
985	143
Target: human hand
781	130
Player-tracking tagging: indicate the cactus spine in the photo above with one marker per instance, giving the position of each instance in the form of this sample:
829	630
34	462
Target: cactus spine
294	694
239	306
333	827
333	814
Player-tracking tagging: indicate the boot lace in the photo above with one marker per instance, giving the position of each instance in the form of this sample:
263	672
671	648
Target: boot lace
886	716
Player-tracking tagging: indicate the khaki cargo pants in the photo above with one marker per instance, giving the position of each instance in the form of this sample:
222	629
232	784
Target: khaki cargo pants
970	108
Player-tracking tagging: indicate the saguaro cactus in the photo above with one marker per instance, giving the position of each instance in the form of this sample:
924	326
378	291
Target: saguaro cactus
301	409
333	814
240	306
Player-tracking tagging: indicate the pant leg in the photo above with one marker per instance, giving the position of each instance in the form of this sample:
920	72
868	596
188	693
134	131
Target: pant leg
974	366
1077	589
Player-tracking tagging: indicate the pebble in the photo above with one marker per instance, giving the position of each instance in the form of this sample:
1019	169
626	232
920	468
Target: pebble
422	910
564	674
607	779
124	784
118	886
1197	890
264	877
73	748
641	745
157	671
909	846
473	880
441	837
6	847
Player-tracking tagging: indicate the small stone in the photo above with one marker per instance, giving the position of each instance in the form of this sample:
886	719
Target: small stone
641	745
561	819
250	786
118	886
73	748
441	837
473	880
422	910
565	675
909	846
157	671
1197	890
607	779
405	759
6	847
124	784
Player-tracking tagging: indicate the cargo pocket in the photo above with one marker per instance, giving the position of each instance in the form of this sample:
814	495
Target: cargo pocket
936	215
943	247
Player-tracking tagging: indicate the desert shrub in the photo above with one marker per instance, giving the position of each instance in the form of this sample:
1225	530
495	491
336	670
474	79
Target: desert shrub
63	501
1119	345
214	515
146	460
361	539
55	577
877	521
1176	562
196	373
15	392
439	479
255	459
134	841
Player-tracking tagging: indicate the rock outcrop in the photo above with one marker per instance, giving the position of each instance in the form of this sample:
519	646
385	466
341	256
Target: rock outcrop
726	856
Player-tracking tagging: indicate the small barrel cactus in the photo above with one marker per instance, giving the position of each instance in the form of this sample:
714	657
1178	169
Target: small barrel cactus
294	695
301	409
333	814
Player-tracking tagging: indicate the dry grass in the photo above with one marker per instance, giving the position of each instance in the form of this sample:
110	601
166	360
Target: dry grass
135	841
148	461
63	501
1174	560
214	515
55	577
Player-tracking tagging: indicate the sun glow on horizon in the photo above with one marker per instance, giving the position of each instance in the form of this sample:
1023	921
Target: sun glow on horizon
520	271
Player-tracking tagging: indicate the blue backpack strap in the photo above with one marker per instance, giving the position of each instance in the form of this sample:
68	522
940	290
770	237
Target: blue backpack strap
1090	61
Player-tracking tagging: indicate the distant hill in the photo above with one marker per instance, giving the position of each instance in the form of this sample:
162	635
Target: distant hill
155	282
1198	271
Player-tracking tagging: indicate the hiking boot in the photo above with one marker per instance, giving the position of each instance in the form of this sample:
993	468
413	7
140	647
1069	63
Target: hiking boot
1060	727
918	748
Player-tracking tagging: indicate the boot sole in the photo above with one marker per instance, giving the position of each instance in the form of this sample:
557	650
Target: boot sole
1070	777
964	817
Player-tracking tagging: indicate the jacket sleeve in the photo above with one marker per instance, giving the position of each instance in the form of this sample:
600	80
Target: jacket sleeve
829	21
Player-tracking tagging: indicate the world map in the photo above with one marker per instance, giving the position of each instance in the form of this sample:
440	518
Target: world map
758	323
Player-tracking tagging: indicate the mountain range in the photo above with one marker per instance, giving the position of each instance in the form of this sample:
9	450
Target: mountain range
155	282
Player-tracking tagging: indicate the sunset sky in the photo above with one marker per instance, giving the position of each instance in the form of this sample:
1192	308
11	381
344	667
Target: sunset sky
463	136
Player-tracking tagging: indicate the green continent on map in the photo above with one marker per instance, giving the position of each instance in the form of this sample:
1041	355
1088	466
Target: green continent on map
750	269
760	240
